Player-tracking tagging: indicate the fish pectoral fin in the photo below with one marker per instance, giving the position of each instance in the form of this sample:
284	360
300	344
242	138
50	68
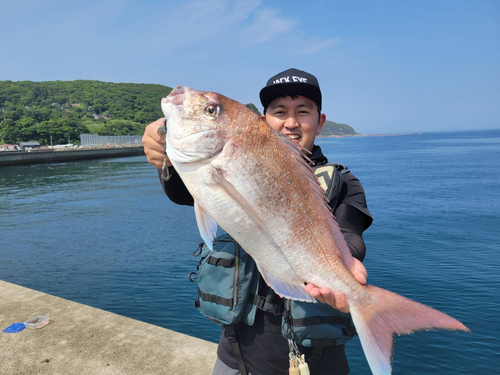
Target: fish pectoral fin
286	289
206	225
237	197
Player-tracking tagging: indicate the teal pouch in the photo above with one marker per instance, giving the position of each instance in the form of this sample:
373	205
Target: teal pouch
317	324
227	278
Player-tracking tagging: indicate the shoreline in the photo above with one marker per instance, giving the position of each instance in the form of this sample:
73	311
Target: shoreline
10	158
366	135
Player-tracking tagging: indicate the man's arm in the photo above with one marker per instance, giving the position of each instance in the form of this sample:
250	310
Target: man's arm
175	189
154	146
352	223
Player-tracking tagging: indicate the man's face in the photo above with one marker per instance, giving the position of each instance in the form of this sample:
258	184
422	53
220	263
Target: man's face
297	118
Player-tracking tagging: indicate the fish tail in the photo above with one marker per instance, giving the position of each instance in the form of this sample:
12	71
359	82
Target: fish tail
389	314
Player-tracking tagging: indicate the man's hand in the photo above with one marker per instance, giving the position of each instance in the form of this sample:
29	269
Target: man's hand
154	144
337	299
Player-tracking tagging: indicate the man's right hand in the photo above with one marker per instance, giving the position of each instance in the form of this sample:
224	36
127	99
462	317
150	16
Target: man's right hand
337	299
154	144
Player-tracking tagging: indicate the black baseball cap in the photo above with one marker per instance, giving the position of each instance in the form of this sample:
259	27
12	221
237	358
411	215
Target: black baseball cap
291	82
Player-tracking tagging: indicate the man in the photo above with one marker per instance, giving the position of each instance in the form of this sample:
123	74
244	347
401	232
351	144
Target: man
292	107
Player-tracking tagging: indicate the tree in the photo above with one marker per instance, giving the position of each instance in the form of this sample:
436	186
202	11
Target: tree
9	132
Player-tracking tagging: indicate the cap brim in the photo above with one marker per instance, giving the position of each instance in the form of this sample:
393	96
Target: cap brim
269	93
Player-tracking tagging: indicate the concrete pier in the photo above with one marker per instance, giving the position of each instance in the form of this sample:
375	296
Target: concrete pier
50	156
84	340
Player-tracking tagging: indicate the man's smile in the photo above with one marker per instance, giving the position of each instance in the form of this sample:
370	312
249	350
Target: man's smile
294	137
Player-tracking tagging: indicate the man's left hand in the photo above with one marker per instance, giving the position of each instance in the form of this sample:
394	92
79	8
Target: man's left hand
337	299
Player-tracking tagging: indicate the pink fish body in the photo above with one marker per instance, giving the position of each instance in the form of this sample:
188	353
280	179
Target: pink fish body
257	186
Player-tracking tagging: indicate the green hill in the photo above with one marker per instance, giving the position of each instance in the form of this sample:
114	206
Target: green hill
62	110
332	128
34	111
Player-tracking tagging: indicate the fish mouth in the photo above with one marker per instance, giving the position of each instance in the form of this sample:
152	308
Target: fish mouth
198	134
176	97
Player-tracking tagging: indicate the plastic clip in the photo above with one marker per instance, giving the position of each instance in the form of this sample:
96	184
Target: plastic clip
199	249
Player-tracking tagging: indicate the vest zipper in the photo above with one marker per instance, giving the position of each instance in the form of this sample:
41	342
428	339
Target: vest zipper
237	273
236	278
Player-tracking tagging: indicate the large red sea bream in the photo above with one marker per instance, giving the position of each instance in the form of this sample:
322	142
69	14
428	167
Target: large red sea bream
257	186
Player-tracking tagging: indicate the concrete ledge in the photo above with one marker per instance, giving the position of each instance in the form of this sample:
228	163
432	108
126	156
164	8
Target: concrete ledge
51	156
84	340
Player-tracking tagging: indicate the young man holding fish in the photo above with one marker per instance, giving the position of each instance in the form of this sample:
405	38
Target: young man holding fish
253	178
292	107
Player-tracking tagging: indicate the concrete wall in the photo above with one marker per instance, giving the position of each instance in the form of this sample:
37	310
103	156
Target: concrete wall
84	340
51	156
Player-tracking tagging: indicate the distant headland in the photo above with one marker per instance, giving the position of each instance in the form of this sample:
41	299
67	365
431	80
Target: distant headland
331	128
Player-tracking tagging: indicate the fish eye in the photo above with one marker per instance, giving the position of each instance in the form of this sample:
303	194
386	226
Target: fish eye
212	110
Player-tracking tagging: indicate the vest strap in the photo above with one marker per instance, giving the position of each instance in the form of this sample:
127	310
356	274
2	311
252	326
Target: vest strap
351	331
317	343
315	356
315	320
331	180
215	299
262	304
220	262
233	340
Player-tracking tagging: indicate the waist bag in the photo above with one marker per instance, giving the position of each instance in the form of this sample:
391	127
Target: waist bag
316	324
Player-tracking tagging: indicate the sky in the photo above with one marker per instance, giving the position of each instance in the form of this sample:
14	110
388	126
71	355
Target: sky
383	66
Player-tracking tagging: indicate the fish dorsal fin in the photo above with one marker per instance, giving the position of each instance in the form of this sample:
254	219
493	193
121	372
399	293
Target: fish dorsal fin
300	155
206	225
286	288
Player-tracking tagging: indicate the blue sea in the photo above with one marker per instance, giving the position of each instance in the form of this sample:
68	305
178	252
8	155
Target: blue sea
102	233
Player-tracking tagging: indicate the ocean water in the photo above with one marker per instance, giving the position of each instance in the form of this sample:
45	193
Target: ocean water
102	233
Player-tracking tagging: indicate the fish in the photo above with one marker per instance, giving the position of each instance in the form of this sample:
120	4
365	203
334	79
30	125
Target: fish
258	186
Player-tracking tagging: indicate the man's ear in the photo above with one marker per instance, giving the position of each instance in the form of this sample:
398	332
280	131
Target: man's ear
263	117
321	122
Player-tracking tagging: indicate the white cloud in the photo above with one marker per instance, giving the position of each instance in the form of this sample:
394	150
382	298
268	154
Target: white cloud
306	46
266	25
219	24
194	21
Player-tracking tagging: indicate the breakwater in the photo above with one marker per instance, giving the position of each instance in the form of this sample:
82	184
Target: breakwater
56	156
80	339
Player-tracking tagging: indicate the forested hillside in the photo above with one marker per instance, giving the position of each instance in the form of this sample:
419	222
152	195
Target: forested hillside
59	111
34	111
